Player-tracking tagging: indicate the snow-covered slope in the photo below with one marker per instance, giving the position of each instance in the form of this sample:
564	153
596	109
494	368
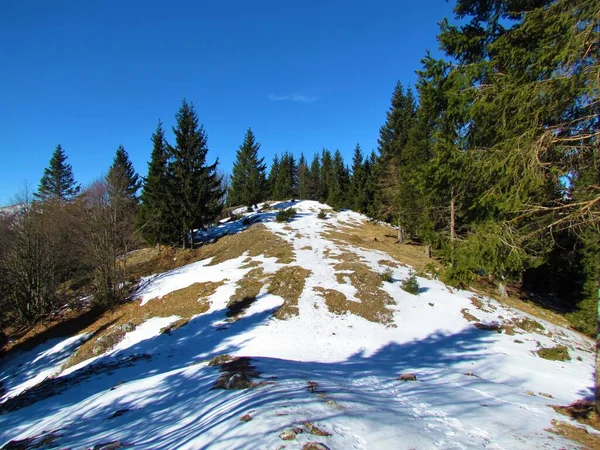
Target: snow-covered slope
473	388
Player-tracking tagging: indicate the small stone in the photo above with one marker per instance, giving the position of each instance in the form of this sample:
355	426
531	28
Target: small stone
544	394
246	418
128	327
288	435
408	377
315	430
315	446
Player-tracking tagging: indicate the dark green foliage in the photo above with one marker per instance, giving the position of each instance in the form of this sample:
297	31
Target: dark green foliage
248	179
284	177
393	137
314	178
387	276
155	201
195	191
304	178
411	284
325	176
58	182
557	353
285	215
322	215
122	179
338	182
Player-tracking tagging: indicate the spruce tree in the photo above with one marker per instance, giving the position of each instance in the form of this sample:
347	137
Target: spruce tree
286	179
326	171
314	176
122	179
153	218
248	180
272	178
58	182
303	178
393	136
195	192
339	182
358	200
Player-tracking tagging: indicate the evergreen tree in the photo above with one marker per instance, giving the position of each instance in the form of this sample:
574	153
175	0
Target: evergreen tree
122	179
358	200
393	136
286	178
304	180
195	190
248	180
58	182
325	178
271	180
155	202
314	186
339	182
370	186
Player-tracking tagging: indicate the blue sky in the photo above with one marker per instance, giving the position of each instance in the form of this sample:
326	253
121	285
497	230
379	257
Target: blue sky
304	75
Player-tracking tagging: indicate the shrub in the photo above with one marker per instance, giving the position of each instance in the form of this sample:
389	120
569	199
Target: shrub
558	353
285	215
246	221
322	215
411	285
387	276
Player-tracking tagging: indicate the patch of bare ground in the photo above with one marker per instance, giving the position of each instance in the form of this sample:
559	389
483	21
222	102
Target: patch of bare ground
108	329
237	373
374	301
575	433
288	283
375	236
582	411
468	316
246	293
256	240
337	303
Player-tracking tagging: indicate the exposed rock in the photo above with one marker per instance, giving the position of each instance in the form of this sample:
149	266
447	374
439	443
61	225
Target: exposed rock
237	374
246	418
315	430
493	326
409	376
289	434
128	327
109	445
315	446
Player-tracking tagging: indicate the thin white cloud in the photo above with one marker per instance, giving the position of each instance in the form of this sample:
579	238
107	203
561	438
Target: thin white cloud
293	98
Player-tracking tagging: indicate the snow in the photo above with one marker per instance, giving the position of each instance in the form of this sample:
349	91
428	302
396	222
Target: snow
168	402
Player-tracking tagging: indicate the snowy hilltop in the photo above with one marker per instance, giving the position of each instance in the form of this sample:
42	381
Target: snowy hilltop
298	334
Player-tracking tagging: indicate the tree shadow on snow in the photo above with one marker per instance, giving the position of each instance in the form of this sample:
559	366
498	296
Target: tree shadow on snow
175	404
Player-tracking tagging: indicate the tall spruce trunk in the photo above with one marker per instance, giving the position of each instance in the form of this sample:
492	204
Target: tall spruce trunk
452	216
400	233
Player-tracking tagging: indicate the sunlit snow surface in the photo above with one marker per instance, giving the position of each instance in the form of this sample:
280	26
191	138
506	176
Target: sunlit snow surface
166	401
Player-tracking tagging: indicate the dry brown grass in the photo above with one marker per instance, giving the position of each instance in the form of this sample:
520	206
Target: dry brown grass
375	236
256	240
337	303
373	300
185	302
288	283
577	434
583	411
468	316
